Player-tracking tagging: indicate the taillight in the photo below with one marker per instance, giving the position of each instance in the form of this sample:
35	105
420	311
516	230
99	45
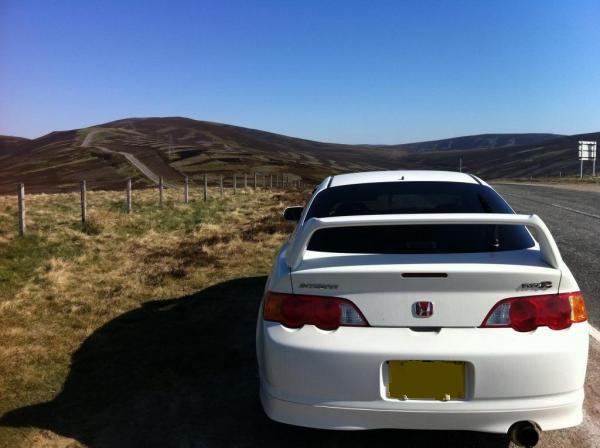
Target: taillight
557	311
326	313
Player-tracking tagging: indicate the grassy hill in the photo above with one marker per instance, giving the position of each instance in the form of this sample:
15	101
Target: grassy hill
481	141
546	158
173	147
10	144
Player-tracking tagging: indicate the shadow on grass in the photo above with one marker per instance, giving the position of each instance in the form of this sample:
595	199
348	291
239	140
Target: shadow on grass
182	373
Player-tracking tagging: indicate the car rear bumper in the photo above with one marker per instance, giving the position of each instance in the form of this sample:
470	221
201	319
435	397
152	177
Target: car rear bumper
337	380
566	413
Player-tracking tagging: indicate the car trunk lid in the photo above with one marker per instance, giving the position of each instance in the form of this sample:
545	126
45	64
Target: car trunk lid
461	288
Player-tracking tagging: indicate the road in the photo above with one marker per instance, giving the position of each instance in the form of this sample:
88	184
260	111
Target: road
137	163
573	217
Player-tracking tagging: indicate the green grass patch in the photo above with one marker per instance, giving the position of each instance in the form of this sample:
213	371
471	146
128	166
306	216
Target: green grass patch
21	257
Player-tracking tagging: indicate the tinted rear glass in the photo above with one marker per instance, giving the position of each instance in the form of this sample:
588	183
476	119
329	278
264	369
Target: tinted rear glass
414	197
406	197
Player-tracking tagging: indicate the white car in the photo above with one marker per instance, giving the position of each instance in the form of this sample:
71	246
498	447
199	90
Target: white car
419	299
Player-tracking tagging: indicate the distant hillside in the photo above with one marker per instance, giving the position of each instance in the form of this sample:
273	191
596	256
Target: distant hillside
548	158
173	147
9	143
481	141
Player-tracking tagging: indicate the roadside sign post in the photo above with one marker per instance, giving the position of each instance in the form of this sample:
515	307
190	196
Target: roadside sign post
587	151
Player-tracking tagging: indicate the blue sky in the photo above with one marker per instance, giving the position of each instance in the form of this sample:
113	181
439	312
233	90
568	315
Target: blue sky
343	71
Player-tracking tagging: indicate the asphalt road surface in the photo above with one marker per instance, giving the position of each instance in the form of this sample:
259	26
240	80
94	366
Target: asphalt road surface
573	217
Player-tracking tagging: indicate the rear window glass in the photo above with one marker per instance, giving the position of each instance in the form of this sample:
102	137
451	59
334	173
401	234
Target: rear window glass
406	197
414	197
427	239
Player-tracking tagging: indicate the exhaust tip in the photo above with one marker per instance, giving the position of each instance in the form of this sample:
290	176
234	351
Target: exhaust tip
525	433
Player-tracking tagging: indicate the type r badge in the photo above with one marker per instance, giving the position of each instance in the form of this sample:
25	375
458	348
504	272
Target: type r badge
538	285
423	309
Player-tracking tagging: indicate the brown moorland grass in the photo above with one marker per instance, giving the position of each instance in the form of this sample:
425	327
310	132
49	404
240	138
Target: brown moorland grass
62	282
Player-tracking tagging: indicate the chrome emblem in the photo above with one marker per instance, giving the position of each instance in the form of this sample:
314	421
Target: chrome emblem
318	286
423	309
540	285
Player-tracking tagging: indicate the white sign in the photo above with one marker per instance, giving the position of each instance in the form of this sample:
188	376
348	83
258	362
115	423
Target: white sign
587	150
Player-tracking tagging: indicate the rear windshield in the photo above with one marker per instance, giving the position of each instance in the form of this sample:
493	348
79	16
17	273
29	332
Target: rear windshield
414	197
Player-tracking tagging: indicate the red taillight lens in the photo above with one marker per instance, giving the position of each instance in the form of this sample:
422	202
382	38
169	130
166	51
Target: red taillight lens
326	313
523	315
557	311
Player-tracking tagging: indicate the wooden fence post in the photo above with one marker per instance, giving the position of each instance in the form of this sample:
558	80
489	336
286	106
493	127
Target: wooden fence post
160	191
21	204
205	187
129	195
271	183
221	184
255	176
245	180
186	190
277	180
83	189
234	183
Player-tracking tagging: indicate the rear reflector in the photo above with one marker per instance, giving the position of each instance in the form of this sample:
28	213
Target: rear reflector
326	313
557	311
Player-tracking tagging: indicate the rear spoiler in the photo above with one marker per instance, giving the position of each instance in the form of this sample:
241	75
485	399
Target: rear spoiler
549	249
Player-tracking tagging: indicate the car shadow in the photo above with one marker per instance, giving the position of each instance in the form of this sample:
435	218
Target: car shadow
182	373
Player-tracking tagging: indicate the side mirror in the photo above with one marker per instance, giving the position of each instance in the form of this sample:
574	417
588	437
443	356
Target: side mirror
293	213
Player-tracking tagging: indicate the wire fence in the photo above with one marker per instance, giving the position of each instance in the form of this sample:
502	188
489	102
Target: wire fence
232	185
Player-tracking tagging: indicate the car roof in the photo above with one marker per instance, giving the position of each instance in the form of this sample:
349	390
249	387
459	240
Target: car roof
403	175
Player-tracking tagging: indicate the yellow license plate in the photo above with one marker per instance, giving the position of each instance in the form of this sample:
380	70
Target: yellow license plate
426	380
